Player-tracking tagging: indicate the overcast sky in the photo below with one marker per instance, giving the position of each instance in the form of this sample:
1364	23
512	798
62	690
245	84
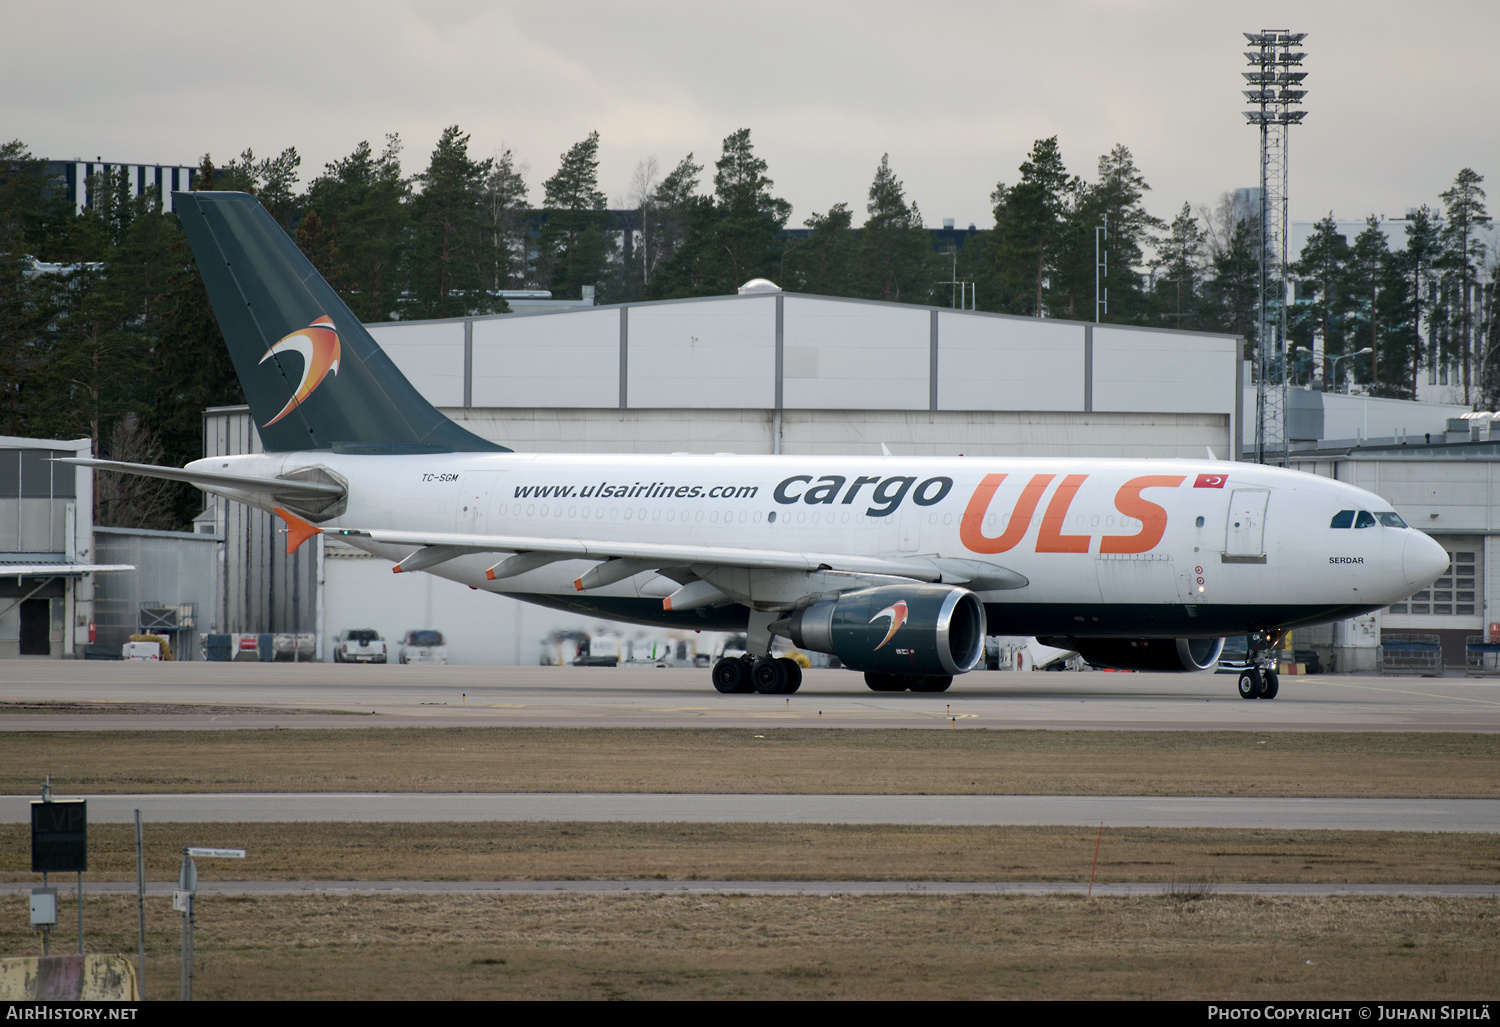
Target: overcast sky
1400	98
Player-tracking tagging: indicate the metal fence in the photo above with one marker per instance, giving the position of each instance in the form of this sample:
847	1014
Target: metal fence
1409	653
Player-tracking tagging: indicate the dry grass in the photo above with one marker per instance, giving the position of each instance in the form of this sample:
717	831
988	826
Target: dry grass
888	947
807	852
805	760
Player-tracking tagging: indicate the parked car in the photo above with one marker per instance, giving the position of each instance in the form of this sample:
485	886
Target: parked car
358	645
423	645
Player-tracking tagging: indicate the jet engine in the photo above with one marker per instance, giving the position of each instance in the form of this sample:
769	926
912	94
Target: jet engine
894	629
1173	655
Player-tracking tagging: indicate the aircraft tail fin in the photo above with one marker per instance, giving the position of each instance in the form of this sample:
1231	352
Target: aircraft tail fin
313	376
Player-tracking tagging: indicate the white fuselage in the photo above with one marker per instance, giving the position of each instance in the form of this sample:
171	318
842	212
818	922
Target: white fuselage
1108	546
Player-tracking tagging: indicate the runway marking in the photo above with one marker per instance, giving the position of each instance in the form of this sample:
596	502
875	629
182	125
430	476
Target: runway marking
1403	691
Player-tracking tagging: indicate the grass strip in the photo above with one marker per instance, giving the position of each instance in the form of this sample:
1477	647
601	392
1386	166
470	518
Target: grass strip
1208	763
753	947
781	852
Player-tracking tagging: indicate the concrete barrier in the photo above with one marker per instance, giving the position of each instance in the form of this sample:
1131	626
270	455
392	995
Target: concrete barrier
89	978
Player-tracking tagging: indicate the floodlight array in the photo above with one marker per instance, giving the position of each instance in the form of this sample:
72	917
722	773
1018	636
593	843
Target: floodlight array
1274	83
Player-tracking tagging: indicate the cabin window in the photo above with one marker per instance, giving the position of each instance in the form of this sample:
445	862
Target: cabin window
1391	519
1342	519
1364	519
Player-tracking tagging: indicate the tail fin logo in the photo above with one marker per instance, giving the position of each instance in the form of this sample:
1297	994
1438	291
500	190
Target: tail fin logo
897	614
318	345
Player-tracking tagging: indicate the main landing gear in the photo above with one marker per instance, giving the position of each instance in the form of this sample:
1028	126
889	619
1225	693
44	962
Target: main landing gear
767	675
1259	684
907	682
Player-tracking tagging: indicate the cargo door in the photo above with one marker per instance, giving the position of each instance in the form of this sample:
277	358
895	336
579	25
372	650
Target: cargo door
1245	526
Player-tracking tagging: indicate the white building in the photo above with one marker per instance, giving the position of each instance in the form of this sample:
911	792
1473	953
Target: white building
47	558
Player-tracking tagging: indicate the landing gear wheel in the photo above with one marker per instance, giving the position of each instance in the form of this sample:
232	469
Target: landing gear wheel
930	682
793	675
884	682
769	675
1272	685
731	676
1251	685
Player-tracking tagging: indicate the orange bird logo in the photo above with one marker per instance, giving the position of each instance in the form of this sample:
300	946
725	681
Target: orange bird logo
897	614
318	345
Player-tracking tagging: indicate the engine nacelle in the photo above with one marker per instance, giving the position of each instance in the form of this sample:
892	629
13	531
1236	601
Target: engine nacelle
894	629
1173	655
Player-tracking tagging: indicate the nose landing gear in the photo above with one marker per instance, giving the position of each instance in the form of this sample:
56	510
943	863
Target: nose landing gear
1260	680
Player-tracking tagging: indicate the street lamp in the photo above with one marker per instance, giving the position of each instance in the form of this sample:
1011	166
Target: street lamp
1346	356
1334	361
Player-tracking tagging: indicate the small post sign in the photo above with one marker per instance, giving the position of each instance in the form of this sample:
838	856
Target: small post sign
184	901
59	837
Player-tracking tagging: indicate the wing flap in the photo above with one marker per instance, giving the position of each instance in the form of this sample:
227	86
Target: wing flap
655	554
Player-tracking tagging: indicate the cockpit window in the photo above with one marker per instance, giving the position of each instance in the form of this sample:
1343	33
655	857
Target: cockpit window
1364	519
1343	519
1391	519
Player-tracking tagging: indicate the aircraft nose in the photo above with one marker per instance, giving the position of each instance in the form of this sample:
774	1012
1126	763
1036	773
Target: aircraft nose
1423	561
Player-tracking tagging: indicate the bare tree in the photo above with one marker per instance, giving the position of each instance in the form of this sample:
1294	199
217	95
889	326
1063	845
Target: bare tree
1219	220
642	198
131	500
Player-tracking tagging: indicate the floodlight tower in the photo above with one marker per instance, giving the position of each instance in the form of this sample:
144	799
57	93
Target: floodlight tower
1274	91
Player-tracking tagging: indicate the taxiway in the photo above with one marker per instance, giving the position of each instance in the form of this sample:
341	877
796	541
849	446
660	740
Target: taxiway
186	696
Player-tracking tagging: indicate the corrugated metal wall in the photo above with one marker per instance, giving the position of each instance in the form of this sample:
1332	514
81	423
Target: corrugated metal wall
172	568
261	588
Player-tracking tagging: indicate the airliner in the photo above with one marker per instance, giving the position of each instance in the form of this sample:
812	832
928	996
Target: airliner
898	566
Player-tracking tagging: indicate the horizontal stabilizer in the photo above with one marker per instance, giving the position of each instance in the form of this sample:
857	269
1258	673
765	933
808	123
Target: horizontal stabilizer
211	480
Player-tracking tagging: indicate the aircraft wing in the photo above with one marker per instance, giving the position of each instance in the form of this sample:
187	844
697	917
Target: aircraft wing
657	554
620	560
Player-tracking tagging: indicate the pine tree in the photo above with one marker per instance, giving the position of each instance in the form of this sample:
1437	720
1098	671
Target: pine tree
895	257
1234	289
1368	272
823	262
743	241
364	203
1463	257
573	248
319	248
1179	267
1029	220
673	217
1416	266
1120	197
451	260
1322	268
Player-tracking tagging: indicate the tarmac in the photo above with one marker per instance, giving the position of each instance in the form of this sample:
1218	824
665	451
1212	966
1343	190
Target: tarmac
52	695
